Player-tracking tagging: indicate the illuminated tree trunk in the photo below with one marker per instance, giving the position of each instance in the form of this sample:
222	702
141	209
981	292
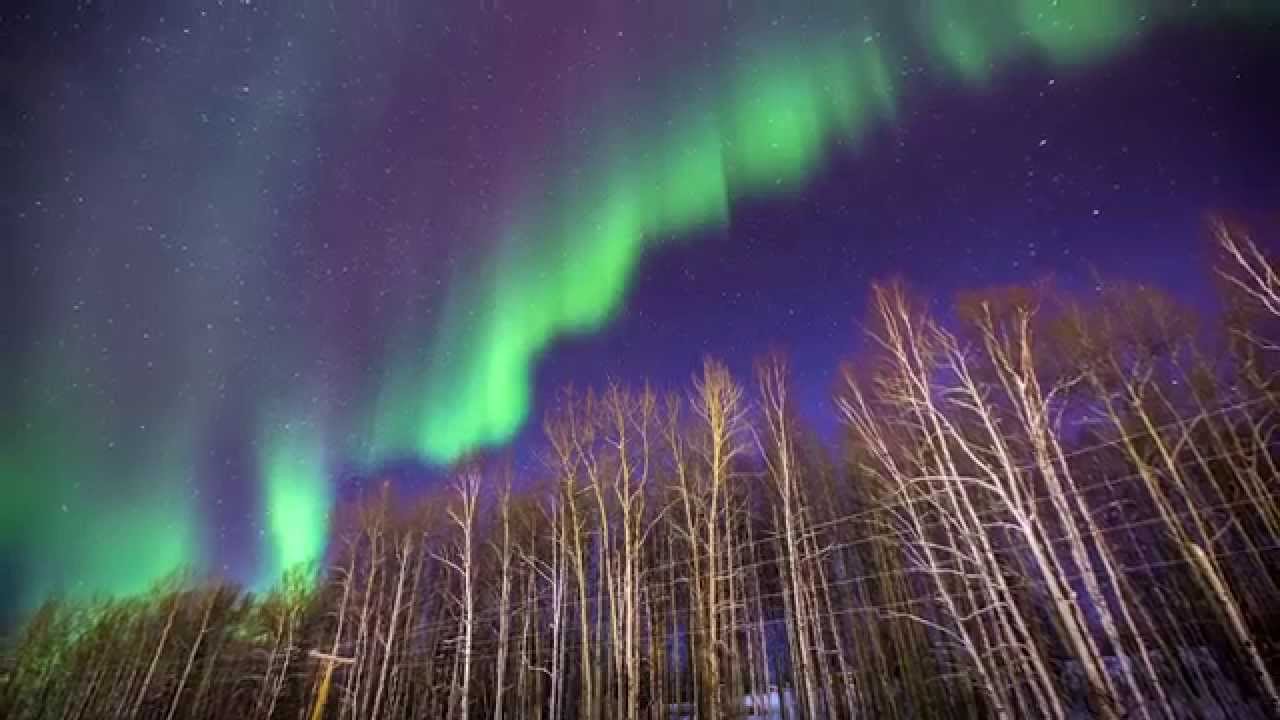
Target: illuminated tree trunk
191	656
155	658
781	460
504	603
393	623
463	515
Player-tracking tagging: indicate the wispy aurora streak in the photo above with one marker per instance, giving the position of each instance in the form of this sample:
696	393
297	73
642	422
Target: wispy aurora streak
298	498
108	487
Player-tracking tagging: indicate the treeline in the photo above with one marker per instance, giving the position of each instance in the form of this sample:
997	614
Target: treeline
1047	508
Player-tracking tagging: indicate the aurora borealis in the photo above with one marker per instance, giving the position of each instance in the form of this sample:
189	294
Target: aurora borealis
257	250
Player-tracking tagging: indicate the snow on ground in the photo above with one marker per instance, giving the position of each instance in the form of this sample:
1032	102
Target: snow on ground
765	706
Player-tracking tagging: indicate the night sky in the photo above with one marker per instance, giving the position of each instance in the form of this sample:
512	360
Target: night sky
257	253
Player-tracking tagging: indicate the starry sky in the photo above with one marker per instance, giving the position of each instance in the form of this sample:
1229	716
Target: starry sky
256	253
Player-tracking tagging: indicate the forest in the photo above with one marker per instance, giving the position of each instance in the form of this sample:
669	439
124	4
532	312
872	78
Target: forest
1040	505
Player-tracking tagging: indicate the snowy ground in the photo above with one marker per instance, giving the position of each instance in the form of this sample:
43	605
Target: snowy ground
771	706
1211	695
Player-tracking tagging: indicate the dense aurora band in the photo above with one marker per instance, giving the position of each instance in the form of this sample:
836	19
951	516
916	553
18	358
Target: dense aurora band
650	164
759	125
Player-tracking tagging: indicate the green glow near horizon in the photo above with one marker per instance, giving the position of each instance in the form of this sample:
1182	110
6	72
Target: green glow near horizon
114	540
297	497
764	130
